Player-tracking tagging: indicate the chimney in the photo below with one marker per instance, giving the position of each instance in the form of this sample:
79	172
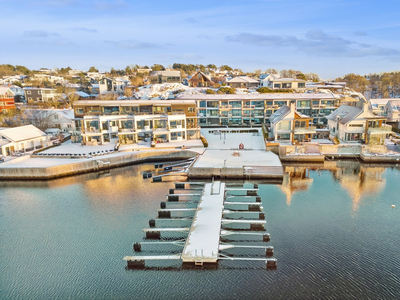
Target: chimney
292	106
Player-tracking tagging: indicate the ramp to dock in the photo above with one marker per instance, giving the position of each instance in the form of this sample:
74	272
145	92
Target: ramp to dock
202	243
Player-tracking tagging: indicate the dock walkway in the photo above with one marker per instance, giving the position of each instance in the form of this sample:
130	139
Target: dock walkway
203	241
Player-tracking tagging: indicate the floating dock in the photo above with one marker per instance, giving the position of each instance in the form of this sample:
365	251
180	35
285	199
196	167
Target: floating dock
203	240
237	164
203	244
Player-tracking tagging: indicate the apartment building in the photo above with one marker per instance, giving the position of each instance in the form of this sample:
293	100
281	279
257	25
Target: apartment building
255	109
133	121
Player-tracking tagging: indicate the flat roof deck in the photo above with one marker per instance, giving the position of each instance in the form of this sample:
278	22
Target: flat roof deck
202	243
216	158
237	164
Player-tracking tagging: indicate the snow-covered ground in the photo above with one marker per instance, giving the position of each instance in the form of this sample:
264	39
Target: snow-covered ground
224	140
76	148
220	154
73	148
163	91
228	158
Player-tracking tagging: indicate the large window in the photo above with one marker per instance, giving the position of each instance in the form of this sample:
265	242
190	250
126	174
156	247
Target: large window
284	125
177	135
177	124
284	136
236	112
353	136
303	103
126	124
212	104
111	110
299	124
301	85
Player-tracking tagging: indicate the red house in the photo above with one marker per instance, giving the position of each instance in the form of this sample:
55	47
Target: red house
6	99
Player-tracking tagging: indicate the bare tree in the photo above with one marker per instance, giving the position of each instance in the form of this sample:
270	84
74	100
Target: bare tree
42	119
271	71
71	95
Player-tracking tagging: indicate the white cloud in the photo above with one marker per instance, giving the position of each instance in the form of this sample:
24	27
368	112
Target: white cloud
83	29
315	42
39	34
132	44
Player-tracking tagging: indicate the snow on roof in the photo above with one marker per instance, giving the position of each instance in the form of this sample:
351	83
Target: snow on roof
22	133
346	113
166	73
381	101
82	94
132	102
199	72
263	76
67	113
4	89
272	96
290	80
279	114
243	79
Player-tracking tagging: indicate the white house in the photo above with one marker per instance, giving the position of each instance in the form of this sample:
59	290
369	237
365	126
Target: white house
243	82
289	125
62	119
287	83
265	79
22	139
392	110
357	124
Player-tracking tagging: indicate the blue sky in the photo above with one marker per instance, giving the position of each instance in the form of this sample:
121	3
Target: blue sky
331	38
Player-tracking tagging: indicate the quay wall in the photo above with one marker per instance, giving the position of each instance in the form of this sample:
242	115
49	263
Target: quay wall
300	153
216	172
380	158
93	165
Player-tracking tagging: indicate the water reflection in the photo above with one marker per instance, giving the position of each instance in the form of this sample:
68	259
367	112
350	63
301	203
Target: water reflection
296	178
357	179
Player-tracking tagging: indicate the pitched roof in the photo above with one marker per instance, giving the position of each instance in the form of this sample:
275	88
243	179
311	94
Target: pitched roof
345	114
202	74
3	90
22	133
166	73
279	114
380	101
243	79
289	80
395	104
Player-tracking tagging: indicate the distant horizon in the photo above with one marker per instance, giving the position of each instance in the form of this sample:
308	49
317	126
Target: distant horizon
331	39
166	66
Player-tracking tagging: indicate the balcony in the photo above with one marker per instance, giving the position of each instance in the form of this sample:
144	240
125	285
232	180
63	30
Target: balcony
380	130
93	113
304	130
355	130
225	106
126	130
248	106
